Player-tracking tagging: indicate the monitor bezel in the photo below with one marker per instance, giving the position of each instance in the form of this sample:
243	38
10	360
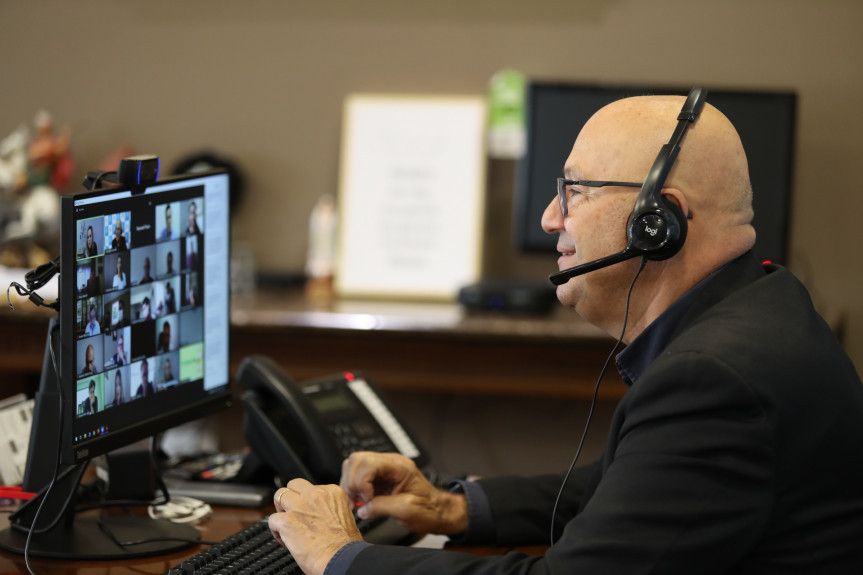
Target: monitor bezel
206	404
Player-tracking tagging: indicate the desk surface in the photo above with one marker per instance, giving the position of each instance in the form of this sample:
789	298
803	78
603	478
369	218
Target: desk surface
224	522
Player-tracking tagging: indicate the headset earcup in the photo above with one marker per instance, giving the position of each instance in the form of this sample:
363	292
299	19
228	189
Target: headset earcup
677	228
660	233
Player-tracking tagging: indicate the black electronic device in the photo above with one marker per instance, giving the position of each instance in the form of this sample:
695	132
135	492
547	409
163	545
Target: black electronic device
656	227
138	170
253	549
509	296
142	346
557	111
307	430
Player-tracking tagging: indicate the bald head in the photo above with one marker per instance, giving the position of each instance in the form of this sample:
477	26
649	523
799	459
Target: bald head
711	169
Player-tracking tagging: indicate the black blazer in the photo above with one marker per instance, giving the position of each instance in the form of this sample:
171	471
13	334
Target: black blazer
736	451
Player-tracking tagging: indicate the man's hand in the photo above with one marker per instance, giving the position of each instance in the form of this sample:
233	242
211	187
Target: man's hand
313	522
389	484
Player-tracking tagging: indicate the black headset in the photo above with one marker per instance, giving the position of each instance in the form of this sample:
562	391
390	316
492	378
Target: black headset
656	228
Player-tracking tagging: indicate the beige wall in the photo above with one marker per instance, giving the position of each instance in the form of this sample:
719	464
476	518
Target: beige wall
263	82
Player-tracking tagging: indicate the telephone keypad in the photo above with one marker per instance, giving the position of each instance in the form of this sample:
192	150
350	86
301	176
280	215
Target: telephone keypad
358	436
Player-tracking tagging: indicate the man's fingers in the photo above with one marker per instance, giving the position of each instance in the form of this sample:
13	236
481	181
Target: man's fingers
383	506
367	474
281	498
359	472
298	485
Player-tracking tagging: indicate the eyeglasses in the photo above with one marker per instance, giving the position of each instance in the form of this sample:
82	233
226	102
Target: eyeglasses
563	183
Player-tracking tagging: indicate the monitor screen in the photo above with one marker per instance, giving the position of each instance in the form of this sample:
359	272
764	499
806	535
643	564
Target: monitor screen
144	315
556	112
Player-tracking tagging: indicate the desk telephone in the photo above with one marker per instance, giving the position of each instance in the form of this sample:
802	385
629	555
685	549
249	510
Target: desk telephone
307	430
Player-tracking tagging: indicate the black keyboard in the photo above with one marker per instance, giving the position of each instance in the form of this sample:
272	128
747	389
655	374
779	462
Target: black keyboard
255	550
252	550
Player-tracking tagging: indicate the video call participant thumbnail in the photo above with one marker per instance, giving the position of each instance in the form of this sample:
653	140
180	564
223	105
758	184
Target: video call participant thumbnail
170	365
191	292
143	385
167	259
143	340
143	227
117	348
167	227
143	267
91	402
89	392
88	277
117	233
90	356
193	212
118	384
91	325
115	310
121	275
191	326
90	235
167	332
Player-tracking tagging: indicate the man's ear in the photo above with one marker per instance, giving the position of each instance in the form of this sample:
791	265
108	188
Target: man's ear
676	197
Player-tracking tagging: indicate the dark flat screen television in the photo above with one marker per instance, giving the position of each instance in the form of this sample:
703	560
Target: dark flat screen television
556	112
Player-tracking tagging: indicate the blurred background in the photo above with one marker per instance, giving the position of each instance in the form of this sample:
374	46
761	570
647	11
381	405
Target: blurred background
262	84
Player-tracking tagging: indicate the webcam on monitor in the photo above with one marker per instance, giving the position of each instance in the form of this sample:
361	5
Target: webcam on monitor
133	171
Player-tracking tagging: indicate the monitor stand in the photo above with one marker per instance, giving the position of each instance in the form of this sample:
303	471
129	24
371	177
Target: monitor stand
91	537
70	536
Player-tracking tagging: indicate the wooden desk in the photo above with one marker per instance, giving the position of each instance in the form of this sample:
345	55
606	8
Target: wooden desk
224	522
427	347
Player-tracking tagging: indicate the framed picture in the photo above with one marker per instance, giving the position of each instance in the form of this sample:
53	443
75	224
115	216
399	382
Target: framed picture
411	196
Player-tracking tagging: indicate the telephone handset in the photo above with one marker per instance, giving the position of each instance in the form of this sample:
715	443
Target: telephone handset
307	430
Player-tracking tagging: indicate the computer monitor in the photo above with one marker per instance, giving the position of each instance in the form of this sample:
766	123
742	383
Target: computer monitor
143	341
557	111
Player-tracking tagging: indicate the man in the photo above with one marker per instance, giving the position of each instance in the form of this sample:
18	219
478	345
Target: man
119	240
119	358
167	372
89	361
93	327
91	402
727	455
167	232
146	278
146	388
